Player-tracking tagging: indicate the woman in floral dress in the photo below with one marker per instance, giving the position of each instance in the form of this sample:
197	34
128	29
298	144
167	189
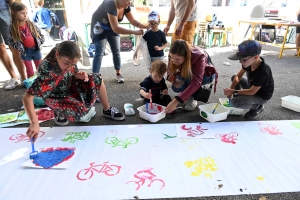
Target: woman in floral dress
70	93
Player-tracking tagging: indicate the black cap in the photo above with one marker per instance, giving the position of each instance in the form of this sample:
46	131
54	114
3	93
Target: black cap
245	49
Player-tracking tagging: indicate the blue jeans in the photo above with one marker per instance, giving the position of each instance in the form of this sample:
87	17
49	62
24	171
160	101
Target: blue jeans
32	54
114	43
186	83
4	23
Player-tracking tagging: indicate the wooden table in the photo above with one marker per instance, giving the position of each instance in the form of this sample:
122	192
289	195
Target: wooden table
260	23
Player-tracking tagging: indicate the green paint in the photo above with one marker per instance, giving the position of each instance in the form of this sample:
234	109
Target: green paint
203	114
7	117
296	124
168	136
73	136
116	142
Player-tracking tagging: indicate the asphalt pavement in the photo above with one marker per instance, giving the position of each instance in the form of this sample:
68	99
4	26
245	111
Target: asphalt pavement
285	72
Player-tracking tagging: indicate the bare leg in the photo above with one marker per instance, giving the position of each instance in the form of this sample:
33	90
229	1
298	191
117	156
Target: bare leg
103	96
7	62
18	62
297	42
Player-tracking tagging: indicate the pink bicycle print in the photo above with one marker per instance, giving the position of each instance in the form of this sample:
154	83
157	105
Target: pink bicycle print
23	137
109	170
193	132
142	178
271	129
228	138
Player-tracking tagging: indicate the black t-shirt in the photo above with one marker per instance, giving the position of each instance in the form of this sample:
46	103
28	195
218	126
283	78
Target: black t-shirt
156	88
157	38
262	77
100	25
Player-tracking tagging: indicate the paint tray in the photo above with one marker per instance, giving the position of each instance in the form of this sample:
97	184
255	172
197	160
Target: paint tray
219	115
154	115
291	102
232	110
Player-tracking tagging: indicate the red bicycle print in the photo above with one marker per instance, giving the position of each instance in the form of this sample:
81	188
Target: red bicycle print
271	129
193	132
23	137
142	178
109	170
116	142
228	138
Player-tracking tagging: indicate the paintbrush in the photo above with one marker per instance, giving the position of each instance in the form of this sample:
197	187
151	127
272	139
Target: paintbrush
215	108
147	107
150	99
34	153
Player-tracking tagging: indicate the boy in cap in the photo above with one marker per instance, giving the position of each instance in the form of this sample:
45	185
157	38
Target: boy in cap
155	38
254	90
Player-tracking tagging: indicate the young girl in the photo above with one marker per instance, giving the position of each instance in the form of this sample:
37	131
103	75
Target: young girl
70	93
26	37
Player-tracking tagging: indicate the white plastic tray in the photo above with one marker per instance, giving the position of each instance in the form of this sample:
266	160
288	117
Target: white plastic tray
154	115
220	113
291	102
232	110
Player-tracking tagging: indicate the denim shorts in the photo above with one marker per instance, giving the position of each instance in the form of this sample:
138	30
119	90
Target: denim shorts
4	23
32	54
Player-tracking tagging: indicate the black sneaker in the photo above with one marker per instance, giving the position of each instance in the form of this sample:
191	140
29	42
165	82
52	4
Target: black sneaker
60	120
253	113
113	113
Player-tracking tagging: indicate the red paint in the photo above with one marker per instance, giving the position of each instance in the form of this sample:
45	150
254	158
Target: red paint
228	138
193	132
159	108
144	175
271	129
23	137
108	170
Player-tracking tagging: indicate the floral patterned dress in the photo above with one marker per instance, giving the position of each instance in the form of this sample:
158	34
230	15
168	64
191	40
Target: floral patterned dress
63	93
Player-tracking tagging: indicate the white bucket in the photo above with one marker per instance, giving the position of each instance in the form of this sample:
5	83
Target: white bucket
232	110
291	102
156	113
220	113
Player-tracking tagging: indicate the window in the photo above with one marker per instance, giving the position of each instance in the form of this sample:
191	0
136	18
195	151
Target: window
216	2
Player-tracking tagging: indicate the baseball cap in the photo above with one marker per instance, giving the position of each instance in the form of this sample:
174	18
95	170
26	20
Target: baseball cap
153	16
245	49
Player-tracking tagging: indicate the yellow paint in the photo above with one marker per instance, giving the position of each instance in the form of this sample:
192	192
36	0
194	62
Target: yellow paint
183	141
260	178
202	165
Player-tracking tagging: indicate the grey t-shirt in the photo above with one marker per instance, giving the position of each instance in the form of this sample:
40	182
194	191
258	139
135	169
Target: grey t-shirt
100	25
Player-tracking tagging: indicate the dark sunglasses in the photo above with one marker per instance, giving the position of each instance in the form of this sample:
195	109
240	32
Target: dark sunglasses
245	60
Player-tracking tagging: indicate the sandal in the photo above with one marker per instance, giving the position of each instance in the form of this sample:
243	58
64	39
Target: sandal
128	107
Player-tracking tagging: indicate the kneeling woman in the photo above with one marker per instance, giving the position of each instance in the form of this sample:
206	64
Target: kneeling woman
189	68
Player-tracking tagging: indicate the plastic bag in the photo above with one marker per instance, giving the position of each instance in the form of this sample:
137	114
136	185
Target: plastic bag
141	49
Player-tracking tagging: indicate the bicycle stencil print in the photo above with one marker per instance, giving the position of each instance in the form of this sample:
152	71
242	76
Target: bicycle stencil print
193	131
144	175
72	137
23	137
105	168
228	138
202	166
120	143
271	129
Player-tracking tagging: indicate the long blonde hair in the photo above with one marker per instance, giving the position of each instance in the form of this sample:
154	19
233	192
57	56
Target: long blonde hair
15	32
182	48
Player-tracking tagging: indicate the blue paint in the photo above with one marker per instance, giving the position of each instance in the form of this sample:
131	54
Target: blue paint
51	158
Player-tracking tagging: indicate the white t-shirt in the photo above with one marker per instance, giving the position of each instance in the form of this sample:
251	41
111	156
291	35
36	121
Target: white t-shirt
180	6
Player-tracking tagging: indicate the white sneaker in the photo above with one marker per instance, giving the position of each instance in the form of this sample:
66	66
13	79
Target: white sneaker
190	104
120	79
12	83
128	107
89	115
